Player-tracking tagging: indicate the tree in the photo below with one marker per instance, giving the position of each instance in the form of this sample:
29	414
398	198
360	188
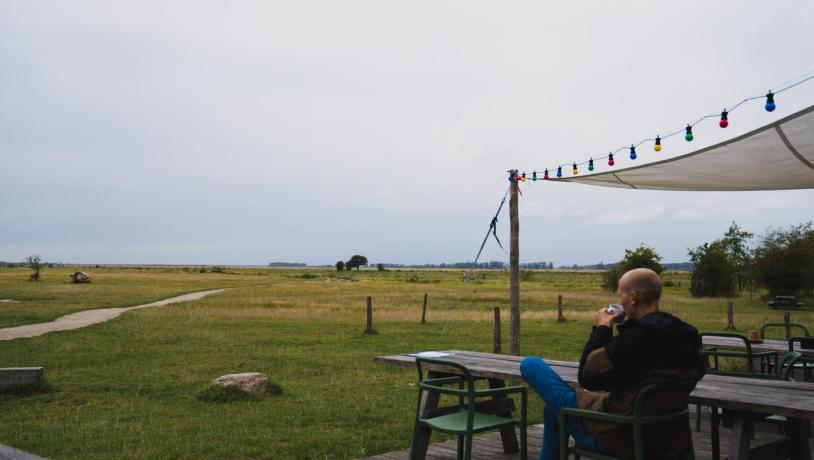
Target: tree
736	247
356	261
35	262
641	257
714	270
380	267
784	260
340	266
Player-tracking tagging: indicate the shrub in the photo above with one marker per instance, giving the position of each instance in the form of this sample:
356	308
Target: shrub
715	271
641	257
784	261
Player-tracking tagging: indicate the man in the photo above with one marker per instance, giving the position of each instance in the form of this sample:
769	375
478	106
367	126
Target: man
652	346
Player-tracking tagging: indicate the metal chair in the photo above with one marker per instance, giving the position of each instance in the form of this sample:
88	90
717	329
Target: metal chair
638	421
806	364
465	421
790	326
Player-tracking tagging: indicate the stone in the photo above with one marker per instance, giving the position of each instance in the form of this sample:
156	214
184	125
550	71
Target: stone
250	382
11	377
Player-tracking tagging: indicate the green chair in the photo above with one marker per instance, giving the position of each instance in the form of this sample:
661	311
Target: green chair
766	360
791	327
638	421
465	421
805	363
765	357
783	371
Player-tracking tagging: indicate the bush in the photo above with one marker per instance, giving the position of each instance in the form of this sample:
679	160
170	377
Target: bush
784	261
641	257
715	271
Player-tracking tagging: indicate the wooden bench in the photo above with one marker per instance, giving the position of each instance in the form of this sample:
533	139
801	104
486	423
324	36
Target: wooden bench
743	397
785	302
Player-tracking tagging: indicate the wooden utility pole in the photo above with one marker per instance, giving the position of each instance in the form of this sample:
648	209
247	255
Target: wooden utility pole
514	265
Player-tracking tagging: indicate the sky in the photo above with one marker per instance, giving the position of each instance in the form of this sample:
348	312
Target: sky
193	132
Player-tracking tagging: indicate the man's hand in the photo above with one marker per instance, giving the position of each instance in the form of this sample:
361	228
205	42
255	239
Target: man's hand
603	318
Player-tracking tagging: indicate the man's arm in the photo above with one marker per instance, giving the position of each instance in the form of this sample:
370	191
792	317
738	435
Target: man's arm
594	365
607	362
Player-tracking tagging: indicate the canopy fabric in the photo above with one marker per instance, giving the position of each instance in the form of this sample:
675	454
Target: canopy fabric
778	156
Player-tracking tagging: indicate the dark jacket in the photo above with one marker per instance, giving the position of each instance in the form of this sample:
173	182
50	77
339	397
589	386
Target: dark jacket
657	348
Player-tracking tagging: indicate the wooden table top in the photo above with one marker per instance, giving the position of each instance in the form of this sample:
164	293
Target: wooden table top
792	399
780	346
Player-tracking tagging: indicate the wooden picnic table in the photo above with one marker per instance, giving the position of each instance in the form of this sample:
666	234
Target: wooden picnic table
785	302
744	397
779	346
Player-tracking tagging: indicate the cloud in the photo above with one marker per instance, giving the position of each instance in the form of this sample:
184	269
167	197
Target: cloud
633	215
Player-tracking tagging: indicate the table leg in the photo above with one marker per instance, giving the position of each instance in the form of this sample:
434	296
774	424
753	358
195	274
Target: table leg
507	435
798	438
740	436
429	401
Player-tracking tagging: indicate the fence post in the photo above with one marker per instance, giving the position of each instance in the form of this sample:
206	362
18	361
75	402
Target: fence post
369	329
560	318
424	310
496	335
730	316
787	320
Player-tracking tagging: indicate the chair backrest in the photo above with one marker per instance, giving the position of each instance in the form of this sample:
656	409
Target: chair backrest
785	367
806	343
640	419
733	335
791	326
452	365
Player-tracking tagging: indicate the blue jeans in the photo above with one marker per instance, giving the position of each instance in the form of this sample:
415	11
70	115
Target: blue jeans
556	394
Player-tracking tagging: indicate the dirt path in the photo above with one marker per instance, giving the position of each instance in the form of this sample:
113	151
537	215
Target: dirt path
88	317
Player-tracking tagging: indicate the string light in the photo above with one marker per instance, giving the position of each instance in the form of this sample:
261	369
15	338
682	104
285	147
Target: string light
534	176
724	120
770	101
545	174
591	164
523	177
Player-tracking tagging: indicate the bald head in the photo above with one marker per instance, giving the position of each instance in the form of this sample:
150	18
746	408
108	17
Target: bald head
645	283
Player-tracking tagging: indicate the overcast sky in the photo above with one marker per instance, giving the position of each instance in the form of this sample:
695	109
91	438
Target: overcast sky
250	132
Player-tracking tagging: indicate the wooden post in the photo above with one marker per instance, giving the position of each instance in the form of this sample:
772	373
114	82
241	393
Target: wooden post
787	320
514	264
424	310
560	318
730	316
369	329
496	335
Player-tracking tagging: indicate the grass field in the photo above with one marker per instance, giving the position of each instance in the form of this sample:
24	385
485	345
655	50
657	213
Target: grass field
127	388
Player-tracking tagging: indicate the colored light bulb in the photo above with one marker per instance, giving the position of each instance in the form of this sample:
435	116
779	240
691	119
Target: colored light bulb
610	160
632	152
534	175
770	102
724	120
688	135
545	174
591	164
523	177
575	171
657	147
559	171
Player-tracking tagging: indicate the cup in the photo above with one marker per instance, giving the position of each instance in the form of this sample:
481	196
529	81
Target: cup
617	311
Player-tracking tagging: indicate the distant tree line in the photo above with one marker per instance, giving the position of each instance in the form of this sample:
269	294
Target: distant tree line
781	261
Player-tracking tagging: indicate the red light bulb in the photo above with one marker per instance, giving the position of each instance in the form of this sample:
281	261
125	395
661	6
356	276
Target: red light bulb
724	120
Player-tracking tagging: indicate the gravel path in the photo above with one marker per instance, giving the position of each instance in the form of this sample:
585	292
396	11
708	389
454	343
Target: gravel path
88	317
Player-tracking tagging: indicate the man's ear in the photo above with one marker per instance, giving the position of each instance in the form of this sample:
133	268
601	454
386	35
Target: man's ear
634	297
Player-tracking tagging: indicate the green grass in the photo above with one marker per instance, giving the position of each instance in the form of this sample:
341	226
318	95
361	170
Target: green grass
130	388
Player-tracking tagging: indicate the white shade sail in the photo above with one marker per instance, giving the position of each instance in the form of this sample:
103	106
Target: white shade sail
778	156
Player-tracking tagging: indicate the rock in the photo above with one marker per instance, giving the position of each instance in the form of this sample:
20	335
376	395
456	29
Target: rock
250	382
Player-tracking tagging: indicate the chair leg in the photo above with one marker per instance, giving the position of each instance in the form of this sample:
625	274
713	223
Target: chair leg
713	429
524	451
468	447
460	447
697	418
